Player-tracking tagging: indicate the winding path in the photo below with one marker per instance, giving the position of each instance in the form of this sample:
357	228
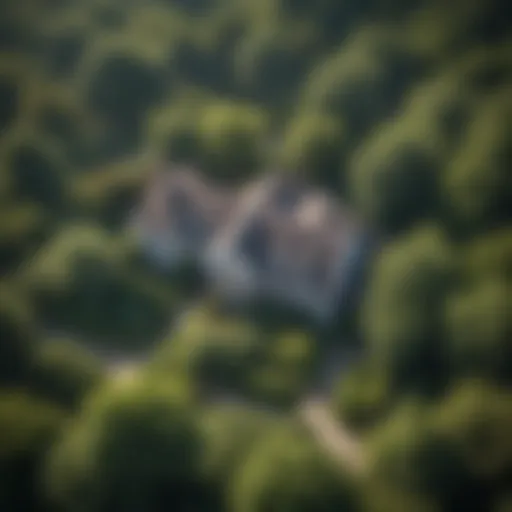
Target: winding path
332	435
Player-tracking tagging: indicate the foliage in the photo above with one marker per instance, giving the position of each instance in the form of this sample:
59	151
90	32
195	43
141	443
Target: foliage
64	372
18	332
315	144
231	430
27	428
133	446
363	397
403	312
79	281
286	471
402	108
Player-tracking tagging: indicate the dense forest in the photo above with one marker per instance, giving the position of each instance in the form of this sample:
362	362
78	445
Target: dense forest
399	107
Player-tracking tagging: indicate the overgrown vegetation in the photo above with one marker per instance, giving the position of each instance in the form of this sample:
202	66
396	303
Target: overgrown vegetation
403	109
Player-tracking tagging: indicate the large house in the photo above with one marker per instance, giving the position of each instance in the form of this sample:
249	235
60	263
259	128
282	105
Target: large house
277	237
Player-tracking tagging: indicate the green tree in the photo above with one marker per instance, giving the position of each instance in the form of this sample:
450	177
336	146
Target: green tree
480	329
27	429
477	182
410	457
134	447
403	311
19	335
64	372
230	433
81	281
232	136
363	397
216	351
286	471
38	172
314	144
476	418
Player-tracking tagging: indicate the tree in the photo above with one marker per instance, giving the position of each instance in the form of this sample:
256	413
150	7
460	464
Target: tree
64	372
81	281
231	430
232	136
133	447
477	182
38	172
283	372
363	397
480	329
286	471
28	426
411	458
393	178
361	81
476	417
314	143
19	335
404	306
123	87
217	351
270	60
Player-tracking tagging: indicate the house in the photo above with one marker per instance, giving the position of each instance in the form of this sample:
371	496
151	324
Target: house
287	241
276	237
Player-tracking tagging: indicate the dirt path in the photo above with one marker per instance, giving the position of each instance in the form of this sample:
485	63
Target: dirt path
332	435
